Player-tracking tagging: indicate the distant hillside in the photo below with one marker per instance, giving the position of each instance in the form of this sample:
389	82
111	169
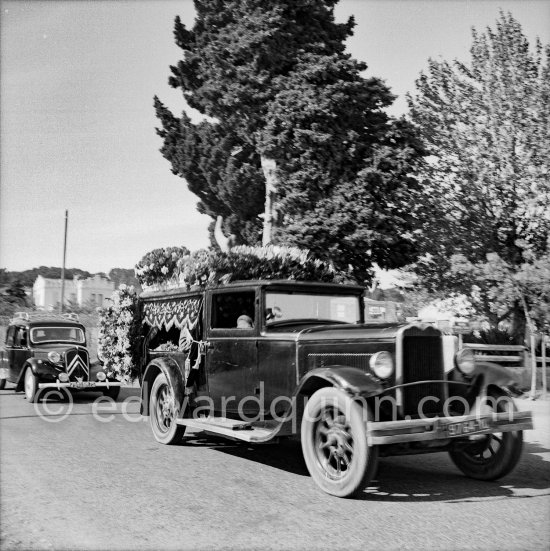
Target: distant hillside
27	278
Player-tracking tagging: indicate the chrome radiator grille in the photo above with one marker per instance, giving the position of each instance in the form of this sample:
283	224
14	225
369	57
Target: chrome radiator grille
77	363
422	361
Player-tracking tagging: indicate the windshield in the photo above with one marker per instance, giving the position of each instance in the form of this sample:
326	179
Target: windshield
58	334
299	306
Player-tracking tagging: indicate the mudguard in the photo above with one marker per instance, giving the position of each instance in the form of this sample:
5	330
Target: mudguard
44	371
173	374
495	374
351	380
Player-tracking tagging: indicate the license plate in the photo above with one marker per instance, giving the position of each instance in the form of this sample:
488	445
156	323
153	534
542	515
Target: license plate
81	385
467	427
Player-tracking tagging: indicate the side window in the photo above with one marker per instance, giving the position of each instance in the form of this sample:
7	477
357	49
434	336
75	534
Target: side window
20	337
10	336
233	310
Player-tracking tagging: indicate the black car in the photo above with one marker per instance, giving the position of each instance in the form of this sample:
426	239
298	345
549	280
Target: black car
48	351
262	360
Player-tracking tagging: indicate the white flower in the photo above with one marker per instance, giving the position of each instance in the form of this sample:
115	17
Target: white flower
164	270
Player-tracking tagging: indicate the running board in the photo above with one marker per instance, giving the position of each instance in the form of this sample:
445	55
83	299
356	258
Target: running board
235	429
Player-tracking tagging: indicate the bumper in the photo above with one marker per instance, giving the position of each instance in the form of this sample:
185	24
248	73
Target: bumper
443	428
81	385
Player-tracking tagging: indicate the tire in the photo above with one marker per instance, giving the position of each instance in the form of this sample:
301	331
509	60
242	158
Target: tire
334	443
112	392
162	412
30	386
2	384
495	455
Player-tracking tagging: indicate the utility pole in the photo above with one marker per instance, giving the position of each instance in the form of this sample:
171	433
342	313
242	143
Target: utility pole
63	267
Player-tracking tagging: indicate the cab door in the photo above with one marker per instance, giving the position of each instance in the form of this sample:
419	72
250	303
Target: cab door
232	353
20	350
16	352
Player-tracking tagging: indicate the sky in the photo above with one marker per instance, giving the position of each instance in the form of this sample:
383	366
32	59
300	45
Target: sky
77	124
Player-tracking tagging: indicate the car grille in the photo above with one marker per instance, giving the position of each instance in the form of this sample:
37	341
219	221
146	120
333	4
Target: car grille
77	364
422	360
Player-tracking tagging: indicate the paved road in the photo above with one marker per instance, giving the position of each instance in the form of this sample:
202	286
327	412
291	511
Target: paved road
100	481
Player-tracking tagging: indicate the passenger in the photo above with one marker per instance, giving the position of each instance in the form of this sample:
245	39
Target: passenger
244	322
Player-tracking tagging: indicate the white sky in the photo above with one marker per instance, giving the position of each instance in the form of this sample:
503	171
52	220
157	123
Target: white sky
77	120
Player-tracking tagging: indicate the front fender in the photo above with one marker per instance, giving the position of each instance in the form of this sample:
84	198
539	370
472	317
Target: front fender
351	380
172	372
43	370
497	375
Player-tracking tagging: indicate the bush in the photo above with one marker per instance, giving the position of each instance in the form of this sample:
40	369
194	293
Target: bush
490	336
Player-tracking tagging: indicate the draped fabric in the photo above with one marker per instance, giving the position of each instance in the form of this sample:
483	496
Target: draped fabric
181	313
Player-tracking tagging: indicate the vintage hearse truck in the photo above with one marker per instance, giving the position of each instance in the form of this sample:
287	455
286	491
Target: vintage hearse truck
261	360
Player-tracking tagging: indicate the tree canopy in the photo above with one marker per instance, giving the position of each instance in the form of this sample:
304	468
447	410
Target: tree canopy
486	125
275	81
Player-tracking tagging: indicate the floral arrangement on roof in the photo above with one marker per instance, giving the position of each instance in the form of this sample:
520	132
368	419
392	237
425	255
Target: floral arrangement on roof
118	335
205	268
159	265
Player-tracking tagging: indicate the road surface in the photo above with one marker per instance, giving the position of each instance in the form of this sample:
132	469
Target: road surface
95	479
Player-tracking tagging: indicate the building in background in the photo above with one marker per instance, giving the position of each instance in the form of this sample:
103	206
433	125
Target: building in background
90	292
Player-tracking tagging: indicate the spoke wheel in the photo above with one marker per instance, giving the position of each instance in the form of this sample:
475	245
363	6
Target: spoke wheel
493	455
31	385
163	412
334	443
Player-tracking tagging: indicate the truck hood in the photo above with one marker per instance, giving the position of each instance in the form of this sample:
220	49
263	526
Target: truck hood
310	332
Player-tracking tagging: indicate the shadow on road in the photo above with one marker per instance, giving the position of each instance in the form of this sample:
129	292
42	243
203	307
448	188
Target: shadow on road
399	482
286	455
420	478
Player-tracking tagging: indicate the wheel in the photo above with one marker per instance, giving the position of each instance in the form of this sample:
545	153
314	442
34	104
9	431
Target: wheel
334	443
162	412
31	385
492	455
111	392
2	384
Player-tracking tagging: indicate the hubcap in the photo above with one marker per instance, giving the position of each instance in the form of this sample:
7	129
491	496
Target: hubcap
164	408
334	443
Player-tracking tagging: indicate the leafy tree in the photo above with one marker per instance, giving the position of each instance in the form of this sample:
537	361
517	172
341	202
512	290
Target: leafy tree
487	127
294	125
15	293
124	276
503	286
7	308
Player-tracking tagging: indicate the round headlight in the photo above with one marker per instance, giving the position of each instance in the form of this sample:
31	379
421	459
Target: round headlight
63	377
101	376
54	357
465	361
382	364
